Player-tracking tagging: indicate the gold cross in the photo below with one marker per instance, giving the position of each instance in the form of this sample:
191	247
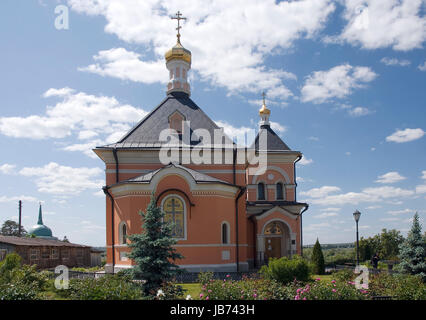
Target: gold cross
178	18
263	95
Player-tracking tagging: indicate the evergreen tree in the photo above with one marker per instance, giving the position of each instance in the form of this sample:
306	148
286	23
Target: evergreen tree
318	259
152	250
412	251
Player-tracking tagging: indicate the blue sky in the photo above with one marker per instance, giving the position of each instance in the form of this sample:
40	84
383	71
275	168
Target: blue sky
345	82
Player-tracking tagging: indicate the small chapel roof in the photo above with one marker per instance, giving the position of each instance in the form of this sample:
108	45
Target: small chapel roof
273	142
198	176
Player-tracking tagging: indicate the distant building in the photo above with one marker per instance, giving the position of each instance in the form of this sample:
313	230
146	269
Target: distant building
40	230
46	253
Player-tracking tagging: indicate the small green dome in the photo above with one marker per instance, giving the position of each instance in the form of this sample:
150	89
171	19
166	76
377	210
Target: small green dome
40	230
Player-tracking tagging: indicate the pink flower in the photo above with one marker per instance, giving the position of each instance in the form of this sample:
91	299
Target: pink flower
207	298
318	279
333	281
201	295
304	298
334	290
297	297
228	275
255	295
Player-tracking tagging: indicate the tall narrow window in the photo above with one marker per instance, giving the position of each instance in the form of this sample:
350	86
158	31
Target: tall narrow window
261	191
174	212
225	239
280	194
123	233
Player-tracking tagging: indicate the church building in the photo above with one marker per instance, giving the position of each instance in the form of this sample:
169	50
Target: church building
230	213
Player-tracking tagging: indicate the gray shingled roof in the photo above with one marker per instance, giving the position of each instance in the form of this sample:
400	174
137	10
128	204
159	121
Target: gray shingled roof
274	142
24	241
198	176
146	133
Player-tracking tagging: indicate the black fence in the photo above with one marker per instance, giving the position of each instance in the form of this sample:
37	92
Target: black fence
192	277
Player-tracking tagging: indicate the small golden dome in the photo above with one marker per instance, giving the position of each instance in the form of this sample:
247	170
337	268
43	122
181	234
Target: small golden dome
264	110
178	52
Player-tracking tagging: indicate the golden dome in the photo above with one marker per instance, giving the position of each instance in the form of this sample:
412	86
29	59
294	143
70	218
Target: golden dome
264	110
178	52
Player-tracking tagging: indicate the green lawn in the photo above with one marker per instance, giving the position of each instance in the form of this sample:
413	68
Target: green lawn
192	289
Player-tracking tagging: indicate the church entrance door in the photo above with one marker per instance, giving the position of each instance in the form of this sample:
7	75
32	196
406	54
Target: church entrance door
273	247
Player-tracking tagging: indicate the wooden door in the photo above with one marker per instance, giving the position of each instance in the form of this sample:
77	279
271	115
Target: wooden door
272	247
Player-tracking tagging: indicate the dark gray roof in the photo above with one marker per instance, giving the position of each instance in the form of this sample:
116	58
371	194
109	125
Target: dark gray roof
198	176
146	133
24	241
274	142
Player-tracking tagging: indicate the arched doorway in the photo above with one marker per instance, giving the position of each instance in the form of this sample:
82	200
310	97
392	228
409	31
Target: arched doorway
276	240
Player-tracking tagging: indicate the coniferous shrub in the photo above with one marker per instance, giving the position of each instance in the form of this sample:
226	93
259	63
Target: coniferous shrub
412	251
153	251
318	259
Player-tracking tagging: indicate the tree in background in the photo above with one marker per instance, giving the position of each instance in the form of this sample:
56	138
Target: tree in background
413	251
152	250
11	228
318	259
386	244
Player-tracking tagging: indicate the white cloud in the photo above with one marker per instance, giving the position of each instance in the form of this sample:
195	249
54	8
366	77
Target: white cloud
63	180
320	192
86	116
230	41
390	177
76	112
395	62
316	226
305	161
4	199
126	65
374	24
401	136
420	189
422	67
338	82
7	168
325	215
375	195
359	112
398	212
424	174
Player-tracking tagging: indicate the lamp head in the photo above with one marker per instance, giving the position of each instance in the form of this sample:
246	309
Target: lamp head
357	215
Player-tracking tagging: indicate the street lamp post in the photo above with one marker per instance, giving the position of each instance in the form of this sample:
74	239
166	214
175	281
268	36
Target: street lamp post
357	215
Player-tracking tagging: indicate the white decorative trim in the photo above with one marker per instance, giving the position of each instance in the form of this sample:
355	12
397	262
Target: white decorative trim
280	170
275	209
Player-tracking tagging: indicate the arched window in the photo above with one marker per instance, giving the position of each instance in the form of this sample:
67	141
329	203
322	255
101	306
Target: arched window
122	233
279	191
174	211
225	233
261	191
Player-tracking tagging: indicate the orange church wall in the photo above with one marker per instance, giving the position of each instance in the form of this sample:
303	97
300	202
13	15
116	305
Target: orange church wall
203	223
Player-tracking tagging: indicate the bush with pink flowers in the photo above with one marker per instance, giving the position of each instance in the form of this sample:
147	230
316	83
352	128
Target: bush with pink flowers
330	290
245	289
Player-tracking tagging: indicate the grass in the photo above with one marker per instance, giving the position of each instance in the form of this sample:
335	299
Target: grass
192	289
